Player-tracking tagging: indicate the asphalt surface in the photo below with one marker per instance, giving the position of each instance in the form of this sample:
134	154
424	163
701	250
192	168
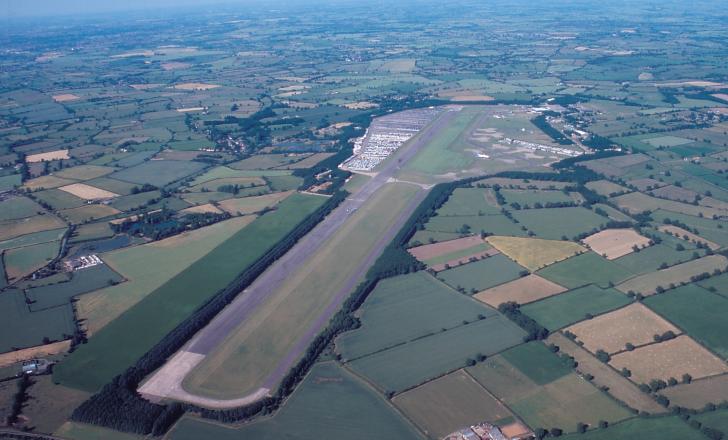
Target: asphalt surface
245	304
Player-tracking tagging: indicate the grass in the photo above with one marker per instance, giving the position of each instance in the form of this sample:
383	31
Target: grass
414	363
15	228
86	213
558	311
158	172
497	224
555	223
467	201
450	403
482	274
714	419
701	314
648	284
437	157
18	207
406	307
49	405
23	261
585	269
80	431
58	199
255	348
138	265
530	197
84	280
138	329
562	400
83	172
457	255
311	413
51	323
249	205
537	362
658	428
534	253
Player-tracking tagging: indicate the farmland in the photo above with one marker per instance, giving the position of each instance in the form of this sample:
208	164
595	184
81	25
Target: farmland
611	332
660	361
189	288
310	410
405	366
534	253
420	300
402	220
522	291
461	401
575	305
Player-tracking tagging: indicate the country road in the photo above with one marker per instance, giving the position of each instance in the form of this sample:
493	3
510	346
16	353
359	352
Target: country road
167	382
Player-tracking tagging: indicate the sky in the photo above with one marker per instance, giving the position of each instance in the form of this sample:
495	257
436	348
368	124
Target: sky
38	8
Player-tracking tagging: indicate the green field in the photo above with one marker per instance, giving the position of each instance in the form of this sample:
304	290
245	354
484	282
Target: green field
701	314
330	403
651	258
562	400
468	202
138	264
558	311
714	419
482	274
585	269
440	156
51	323
529	197
555	223
449	403
82	281
406	307
496	224
138	329
18	207
158	172
658	428
23	261
411	364
649	283
58	199
536	361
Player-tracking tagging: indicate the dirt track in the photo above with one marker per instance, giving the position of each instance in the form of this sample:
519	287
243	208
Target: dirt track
214	334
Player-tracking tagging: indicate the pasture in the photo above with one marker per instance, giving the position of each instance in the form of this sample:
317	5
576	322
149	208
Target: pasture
53	323
138	330
671	358
469	202
13	208
698	393
450	403
405	308
411	364
482	274
556	223
138	265
604	376
15	228
658	428
562	399
85	213
634	324
700	313
522	291
638	202
309	414
250	205
22	261
558	311
615	243
530	197
648	284
534	253
585	269
158	172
